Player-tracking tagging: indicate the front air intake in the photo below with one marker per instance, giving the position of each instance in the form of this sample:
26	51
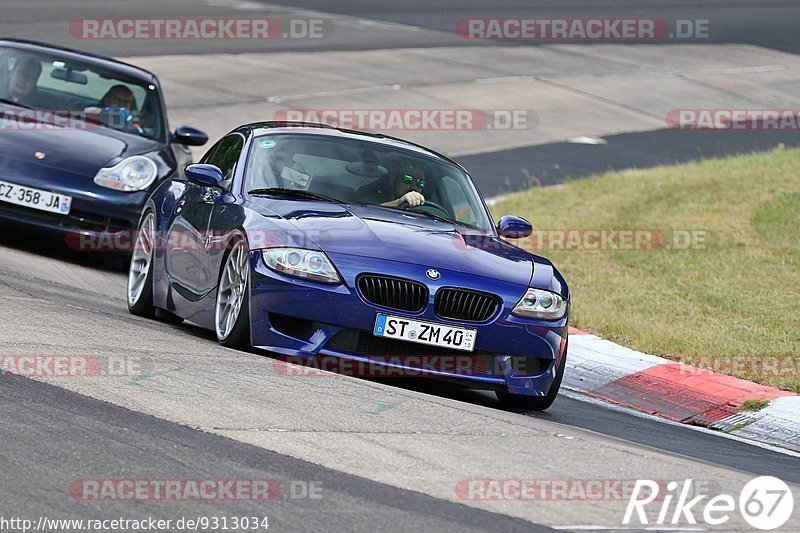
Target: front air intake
393	293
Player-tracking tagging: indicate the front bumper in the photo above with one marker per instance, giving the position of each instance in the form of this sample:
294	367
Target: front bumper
95	223
306	320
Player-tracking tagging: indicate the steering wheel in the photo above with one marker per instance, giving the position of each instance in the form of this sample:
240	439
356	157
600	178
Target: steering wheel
122	119
432	205
135	123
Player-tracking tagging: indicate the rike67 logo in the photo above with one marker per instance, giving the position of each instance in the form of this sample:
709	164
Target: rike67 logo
765	503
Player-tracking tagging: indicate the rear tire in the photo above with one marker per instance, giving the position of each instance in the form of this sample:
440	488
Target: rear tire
232	309
140	270
535	403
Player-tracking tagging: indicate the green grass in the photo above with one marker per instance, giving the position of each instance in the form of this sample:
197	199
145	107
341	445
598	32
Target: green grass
728	302
754	405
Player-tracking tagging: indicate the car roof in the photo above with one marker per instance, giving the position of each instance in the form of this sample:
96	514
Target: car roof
312	128
92	60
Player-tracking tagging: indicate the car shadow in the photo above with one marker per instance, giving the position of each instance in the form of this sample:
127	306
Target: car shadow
53	247
453	391
432	386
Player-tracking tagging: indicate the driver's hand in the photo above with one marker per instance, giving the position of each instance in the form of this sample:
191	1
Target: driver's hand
413	198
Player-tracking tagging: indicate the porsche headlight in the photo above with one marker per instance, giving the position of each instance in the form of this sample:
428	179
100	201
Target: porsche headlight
301	263
134	173
541	304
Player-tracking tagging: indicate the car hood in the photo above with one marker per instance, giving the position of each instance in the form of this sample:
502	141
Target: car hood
33	150
393	235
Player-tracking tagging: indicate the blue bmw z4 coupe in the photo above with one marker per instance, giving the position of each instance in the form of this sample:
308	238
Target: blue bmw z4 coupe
315	242
84	141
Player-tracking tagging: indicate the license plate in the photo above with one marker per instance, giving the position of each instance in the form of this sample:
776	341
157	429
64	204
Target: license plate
425	332
35	198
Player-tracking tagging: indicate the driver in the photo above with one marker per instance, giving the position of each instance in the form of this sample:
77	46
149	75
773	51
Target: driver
406	187
118	96
115	108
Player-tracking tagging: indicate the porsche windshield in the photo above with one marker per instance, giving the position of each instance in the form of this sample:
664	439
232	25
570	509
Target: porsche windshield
86	95
363	172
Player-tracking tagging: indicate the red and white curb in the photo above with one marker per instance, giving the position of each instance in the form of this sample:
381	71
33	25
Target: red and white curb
680	392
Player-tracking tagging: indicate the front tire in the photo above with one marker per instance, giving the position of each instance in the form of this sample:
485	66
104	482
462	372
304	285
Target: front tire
140	271
232	313
535	403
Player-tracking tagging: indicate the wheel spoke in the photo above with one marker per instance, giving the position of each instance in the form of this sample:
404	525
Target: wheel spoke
231	292
231	320
141	259
242	261
147	238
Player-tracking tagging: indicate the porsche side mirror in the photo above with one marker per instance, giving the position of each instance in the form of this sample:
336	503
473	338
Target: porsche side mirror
189	136
514	227
205	175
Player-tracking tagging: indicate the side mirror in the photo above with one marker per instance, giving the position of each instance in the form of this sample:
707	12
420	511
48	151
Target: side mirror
514	227
205	175
189	136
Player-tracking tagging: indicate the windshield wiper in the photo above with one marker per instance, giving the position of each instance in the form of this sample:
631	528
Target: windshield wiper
443	219
429	215
295	193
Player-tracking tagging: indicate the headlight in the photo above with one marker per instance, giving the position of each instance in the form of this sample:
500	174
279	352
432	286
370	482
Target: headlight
541	304
300	263
134	173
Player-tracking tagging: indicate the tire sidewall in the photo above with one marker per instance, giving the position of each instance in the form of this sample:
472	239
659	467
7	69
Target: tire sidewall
144	305
239	336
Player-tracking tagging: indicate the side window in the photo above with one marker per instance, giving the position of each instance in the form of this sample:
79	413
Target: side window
226	154
209	153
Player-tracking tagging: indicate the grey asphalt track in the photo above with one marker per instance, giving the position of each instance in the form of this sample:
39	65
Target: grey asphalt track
53	438
505	171
594	416
763	23
419	23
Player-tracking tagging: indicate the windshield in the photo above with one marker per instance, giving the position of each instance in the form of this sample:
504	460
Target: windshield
365	172
102	97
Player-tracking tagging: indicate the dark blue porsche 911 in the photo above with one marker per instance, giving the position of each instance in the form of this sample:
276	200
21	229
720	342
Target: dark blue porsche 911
315	242
84	140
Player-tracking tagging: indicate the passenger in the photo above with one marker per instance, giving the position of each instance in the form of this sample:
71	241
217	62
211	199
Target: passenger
22	82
